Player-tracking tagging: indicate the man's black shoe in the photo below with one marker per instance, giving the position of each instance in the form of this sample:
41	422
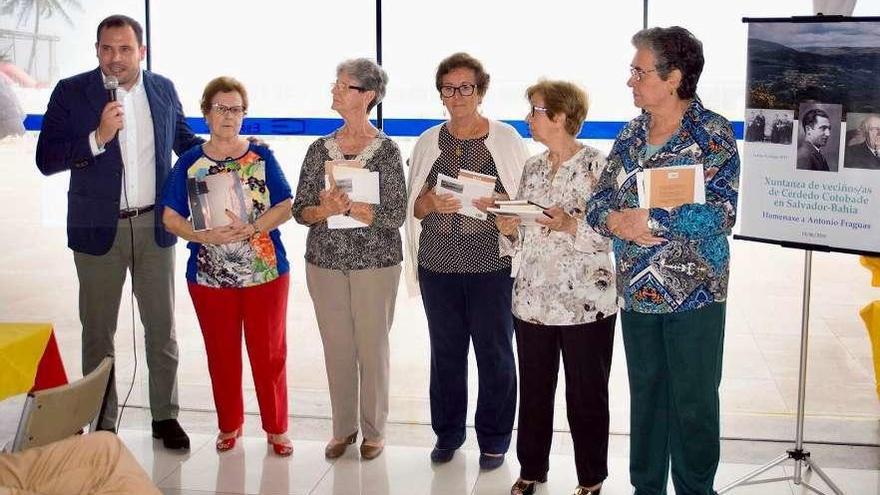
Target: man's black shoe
172	435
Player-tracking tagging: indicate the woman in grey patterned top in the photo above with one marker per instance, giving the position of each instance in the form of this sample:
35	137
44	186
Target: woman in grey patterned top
353	263
564	298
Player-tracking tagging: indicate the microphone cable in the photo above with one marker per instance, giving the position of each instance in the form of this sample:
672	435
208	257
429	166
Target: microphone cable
111	84
131	302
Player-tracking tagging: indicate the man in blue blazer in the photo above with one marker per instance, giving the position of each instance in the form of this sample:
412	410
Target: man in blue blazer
118	151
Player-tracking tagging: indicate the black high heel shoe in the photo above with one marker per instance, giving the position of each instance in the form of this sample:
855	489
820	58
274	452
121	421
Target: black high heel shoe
585	491
523	487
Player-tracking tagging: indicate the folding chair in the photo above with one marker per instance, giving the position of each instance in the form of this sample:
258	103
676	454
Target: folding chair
57	413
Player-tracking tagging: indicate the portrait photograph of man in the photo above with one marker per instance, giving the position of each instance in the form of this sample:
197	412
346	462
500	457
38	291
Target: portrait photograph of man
863	141
818	137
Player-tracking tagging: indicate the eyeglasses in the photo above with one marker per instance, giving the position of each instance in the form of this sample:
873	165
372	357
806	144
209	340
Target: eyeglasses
341	86
463	90
235	111
538	110
638	74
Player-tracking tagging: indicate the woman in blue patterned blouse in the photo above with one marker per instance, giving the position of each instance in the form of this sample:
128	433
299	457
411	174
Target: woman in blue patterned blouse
672	264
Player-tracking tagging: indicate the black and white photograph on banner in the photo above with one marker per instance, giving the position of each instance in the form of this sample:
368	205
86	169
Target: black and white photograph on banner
769	126
818	137
794	62
862	141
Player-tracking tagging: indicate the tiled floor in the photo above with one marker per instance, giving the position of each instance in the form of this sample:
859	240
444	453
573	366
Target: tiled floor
759	388
405	469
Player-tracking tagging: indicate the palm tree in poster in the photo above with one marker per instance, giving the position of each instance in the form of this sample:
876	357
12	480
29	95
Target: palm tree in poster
39	9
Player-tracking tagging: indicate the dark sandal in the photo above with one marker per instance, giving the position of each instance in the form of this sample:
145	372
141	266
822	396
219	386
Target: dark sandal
523	487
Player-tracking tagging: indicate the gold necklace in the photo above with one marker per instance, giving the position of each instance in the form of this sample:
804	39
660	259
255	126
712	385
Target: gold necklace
466	135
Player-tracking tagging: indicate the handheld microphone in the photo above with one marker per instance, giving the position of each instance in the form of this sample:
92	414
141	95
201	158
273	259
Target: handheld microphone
110	84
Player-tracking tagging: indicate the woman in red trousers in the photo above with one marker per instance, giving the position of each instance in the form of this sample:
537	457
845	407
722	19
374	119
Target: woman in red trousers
237	269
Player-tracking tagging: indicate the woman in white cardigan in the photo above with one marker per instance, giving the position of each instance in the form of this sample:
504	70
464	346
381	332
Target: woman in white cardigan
453	260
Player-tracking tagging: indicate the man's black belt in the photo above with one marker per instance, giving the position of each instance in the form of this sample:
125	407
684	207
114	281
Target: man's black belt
133	212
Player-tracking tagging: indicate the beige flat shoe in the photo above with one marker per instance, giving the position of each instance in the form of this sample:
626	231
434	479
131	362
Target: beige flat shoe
370	451
335	449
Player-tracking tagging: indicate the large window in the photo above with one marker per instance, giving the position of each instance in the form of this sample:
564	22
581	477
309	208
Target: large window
518	43
284	52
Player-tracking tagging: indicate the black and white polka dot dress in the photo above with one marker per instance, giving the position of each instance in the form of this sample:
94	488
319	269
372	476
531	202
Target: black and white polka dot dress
453	243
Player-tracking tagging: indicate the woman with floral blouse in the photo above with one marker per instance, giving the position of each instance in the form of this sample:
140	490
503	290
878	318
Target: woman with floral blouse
237	274
563	295
353	255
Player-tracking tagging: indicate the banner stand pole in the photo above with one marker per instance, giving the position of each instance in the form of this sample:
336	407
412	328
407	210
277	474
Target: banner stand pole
797	454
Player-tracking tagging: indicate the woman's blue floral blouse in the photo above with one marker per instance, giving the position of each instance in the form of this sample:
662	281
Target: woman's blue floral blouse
690	270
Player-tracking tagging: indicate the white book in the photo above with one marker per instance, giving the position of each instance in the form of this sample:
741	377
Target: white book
527	211
361	185
466	189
